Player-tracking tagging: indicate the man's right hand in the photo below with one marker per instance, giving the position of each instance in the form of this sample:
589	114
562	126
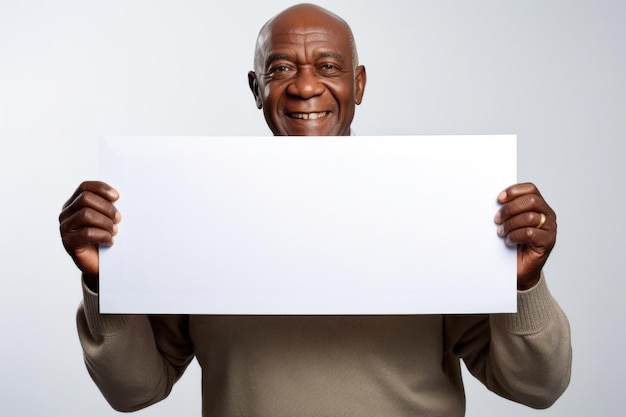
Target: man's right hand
89	219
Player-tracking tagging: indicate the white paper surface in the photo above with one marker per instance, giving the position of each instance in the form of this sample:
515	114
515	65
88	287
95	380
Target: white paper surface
325	225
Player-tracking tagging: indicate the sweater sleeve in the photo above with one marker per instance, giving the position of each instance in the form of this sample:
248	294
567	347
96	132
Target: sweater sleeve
133	359
526	356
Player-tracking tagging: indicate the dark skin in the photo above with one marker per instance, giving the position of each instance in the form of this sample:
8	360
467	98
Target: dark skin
306	78
89	219
518	223
307	82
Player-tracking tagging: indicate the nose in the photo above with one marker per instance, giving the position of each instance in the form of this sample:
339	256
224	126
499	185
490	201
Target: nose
306	84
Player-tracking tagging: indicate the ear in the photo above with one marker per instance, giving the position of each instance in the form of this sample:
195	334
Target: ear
360	79
254	86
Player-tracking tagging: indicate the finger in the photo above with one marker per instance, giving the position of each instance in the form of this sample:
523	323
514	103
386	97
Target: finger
85	218
88	199
99	188
87	237
526	219
531	236
82	245
517	190
521	204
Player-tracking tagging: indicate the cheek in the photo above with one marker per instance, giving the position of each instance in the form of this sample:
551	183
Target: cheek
344	92
266	89
267	94
273	91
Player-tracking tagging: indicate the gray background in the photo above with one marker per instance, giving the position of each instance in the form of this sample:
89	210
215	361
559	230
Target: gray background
550	71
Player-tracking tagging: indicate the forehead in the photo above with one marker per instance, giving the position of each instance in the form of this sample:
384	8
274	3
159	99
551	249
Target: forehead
305	33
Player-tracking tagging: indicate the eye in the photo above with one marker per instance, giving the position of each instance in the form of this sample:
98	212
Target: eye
329	68
279	71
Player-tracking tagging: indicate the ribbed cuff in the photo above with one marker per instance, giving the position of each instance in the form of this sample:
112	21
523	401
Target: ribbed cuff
103	324
536	309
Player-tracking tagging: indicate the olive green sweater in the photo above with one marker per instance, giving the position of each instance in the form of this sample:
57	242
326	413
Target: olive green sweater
330	365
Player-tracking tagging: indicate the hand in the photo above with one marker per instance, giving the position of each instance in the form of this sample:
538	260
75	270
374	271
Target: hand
89	219
526	220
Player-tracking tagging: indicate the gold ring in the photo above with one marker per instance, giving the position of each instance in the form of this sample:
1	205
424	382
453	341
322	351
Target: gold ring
542	220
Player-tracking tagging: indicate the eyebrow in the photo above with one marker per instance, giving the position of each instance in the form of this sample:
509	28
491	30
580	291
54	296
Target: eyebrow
276	57
331	54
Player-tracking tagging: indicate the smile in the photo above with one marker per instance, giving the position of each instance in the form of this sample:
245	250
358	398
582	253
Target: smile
308	116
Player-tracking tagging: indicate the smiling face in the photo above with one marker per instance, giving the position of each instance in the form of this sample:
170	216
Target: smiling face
306	79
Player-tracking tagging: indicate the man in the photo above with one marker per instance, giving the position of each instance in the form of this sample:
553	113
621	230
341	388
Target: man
307	81
307	78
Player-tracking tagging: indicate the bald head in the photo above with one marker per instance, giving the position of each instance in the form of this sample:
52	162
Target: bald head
306	77
305	13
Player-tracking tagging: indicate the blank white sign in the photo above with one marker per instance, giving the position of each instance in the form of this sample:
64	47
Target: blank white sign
316	225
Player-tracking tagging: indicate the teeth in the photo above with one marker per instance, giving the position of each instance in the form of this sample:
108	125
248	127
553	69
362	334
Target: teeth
308	116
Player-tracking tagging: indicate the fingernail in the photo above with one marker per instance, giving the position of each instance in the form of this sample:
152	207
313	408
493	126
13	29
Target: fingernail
500	231
115	229
496	218
502	196
114	194
118	217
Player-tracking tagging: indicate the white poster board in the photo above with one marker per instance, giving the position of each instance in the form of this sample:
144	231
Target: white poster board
322	225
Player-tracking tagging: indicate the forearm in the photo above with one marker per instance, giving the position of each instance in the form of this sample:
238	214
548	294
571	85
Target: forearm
122	357
530	351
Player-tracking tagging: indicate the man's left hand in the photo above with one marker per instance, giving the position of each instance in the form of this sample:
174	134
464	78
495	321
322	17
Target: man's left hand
526	220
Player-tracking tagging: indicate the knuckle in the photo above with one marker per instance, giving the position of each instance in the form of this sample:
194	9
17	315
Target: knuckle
83	198
531	185
86	216
528	188
86	200
505	210
531	200
91	234
95	235
84	186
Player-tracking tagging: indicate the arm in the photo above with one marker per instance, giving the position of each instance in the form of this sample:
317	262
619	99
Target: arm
133	359
526	356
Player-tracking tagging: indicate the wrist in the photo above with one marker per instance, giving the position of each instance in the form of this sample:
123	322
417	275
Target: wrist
91	281
527	283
